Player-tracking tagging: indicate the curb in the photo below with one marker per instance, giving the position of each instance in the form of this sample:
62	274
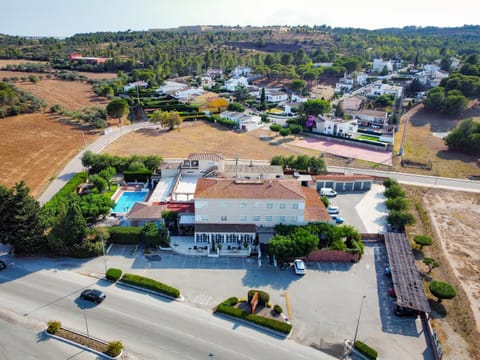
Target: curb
180	298
82	346
252	324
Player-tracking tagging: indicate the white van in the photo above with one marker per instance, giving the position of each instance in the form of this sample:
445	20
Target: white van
327	192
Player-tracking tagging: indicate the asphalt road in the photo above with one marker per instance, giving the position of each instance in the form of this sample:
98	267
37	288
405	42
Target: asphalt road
149	326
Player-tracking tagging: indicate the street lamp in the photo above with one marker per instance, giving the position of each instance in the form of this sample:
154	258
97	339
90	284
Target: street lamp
104	255
86	325
358	321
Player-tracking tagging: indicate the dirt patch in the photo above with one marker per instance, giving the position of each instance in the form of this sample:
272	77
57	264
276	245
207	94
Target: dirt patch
422	146
4	62
82	340
35	147
72	95
452	221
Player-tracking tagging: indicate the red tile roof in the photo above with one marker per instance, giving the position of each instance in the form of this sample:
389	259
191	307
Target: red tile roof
314	208
248	189
145	211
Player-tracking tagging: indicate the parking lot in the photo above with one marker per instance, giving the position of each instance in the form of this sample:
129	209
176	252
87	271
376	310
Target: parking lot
324	305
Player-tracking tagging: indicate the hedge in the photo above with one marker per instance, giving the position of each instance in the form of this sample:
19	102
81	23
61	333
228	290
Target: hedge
263	297
366	350
231	301
259	320
113	274
150	284
125	235
137	176
278	309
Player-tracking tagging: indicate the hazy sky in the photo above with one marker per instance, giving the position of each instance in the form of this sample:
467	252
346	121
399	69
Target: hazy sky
68	17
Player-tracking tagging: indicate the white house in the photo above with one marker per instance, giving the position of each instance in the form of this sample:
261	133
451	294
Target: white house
379	65
207	81
233	83
171	87
343	85
361	78
244	121
275	96
335	126
230	210
298	99
378	88
369	118
188	94
241	71
135	84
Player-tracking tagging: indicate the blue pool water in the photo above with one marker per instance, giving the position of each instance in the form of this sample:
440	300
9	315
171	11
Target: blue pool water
127	200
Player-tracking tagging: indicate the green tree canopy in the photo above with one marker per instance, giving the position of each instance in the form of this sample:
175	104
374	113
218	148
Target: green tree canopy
298	244
442	290
465	137
166	118
314	107
117	108
423	240
22	221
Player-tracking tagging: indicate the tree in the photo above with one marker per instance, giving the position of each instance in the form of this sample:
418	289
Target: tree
166	118
422	240
434	99
394	191
22	220
241	93
285	132
275	127
400	218
263	101
234	106
431	263
298	244
71	228
442	290
339	110
117	108
465	137
398	203
314	107
297	85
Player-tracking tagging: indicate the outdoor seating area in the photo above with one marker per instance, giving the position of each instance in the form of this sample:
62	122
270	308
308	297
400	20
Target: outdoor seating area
185	245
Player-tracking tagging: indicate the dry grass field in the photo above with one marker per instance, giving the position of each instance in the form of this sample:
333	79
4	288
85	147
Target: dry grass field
421	145
34	147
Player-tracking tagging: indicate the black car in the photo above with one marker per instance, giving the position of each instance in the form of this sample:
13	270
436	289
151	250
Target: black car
403	311
2	265
93	295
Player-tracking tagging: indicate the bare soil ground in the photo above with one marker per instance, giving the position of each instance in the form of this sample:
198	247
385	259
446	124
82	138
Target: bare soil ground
452	221
4	62
72	95
422	146
34	147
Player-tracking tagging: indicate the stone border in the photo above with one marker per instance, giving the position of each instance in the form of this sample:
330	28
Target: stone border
60	338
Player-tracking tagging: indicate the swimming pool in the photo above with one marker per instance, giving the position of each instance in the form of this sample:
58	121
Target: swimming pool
126	201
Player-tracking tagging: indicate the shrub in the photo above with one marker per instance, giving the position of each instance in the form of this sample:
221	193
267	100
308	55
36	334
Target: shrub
113	274
137	175
150	284
114	348
422	240
263	297
394	191
366	350
231	301
53	326
278	309
125	234
442	290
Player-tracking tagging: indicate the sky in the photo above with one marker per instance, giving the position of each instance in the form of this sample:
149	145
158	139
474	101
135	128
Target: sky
63	18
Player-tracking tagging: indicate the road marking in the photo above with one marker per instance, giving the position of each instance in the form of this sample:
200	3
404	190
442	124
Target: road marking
289	308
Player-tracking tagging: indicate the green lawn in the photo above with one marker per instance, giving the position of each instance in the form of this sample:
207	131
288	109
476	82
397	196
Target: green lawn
368	137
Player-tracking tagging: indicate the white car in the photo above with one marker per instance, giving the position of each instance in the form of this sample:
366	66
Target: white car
333	209
299	267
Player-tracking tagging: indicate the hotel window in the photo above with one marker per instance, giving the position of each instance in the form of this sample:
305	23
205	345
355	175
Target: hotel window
223	218
269	206
204	218
256	218
256	204
268	218
282	219
294	219
243	205
295	206
243	218
282	206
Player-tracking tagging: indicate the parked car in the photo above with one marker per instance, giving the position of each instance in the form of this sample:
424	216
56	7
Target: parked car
333	209
337	219
403	311
328	192
391	292
2	265
388	271
93	295
299	267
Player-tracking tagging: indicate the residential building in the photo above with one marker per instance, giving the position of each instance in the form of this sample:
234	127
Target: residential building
207	81
275	96
171	87
241	71
77	57
134	85
378	88
353	103
369	118
379	65
335	126
233	83
344	85
188	94
230	210
245	121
